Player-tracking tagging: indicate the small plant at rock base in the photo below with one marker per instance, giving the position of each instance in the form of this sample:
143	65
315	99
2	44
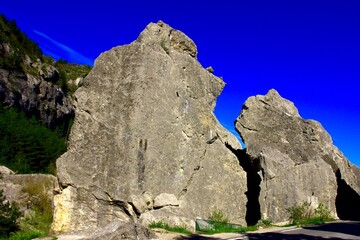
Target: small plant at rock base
298	212
265	223
323	213
219	223
303	214
218	216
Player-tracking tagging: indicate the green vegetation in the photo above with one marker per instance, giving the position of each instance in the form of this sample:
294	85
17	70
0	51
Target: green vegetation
70	71
220	227
27	146
218	216
303	214
20	45
162	225
9	214
265	223
40	219
23	235
219	223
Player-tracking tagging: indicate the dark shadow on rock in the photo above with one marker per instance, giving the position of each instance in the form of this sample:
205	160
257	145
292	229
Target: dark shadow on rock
351	228
282	236
251	167
347	200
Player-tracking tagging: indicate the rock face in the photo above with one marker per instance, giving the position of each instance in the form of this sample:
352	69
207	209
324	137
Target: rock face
113	231
36	94
145	145
290	160
28	189
356	171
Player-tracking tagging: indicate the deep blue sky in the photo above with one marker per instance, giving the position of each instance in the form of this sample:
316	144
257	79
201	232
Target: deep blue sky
308	50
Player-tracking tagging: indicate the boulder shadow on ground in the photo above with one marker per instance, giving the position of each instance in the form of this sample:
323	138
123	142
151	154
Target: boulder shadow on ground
351	228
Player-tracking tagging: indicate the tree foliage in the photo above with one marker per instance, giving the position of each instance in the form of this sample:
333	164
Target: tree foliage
27	146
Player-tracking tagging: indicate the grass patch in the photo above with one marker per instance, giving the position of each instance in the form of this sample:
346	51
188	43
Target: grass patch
265	223
24	235
218	227
167	227
219	223
41	205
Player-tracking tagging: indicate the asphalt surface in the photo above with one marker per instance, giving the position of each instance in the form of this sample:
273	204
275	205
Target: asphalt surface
340	230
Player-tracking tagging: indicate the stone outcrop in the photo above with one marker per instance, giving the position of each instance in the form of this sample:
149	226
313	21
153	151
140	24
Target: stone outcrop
145	144
113	231
36	93
28	190
290	160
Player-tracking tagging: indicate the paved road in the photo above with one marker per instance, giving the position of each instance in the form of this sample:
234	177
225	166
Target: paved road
340	230
334	231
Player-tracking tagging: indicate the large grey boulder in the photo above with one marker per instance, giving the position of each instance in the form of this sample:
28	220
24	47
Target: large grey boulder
292	160
145	128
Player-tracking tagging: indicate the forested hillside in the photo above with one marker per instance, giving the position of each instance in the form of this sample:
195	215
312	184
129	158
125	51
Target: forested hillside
36	109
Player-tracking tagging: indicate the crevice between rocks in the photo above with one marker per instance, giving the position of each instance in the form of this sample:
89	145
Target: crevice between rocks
347	200
251	167
126	207
195	171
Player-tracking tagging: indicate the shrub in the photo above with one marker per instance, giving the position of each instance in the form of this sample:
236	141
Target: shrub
303	214
323	213
9	214
265	222
218	216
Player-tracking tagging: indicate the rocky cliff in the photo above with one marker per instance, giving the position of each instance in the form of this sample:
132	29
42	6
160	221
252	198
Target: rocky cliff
145	145
292	160
32	82
36	94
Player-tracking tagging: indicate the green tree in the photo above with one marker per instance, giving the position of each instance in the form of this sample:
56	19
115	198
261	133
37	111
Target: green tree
27	146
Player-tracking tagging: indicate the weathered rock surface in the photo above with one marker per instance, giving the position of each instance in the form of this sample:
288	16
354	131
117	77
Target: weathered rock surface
113	231
356	171
26	189
36	94
290	160
145	126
